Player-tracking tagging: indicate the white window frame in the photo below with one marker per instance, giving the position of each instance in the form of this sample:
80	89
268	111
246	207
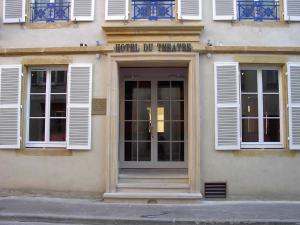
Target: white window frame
47	143
261	144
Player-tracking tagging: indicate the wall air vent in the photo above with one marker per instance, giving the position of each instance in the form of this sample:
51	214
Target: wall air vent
215	190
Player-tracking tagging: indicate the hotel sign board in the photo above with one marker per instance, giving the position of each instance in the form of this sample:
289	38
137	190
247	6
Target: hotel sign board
151	47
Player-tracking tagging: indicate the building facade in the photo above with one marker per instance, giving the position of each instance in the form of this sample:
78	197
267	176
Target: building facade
150	100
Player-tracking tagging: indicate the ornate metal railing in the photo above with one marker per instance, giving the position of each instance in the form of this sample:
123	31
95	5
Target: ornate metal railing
50	12
259	10
153	9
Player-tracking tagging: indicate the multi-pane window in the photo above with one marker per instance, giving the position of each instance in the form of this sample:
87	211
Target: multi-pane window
261	108
46	118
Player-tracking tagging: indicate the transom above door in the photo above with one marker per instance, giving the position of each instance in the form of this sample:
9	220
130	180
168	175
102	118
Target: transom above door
153	123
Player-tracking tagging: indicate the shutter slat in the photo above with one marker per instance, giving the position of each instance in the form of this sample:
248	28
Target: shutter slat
10	97
190	9
224	9
116	10
82	10
292	10
79	106
14	11
294	105
227	101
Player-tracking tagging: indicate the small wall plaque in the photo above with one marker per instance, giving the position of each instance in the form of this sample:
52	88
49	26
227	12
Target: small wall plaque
99	106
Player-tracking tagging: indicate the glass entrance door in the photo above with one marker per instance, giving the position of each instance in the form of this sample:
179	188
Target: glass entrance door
153	123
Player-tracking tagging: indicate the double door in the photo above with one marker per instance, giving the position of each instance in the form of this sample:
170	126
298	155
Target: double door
153	123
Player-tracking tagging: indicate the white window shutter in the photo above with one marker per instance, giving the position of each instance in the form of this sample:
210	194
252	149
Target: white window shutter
227	106
82	10
292	10
293	70
116	9
224	9
190	9
10	106
79	106
14	11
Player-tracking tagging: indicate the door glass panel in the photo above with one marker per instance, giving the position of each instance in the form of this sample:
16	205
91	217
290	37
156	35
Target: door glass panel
131	90
177	109
177	92
177	131
130	151
144	131
130	110
163	110
131	130
144	153
144	90
163	90
144	110
164	151
163	131
177	151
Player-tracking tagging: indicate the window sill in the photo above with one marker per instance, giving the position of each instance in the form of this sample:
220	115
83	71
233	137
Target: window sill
261	24
283	152
44	152
54	25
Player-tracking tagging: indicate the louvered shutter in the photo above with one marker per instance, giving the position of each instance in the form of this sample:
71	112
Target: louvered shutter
294	105
116	10
292	10
82	10
10	106
14	11
190	9
227	106
79	106
224	9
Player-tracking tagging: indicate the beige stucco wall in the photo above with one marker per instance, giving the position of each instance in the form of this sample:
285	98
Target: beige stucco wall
260	174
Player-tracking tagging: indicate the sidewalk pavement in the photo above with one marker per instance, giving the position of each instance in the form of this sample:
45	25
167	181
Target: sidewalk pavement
49	211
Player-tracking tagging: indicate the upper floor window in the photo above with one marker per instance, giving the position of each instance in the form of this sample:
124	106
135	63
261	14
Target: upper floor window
153	9
50	10
258	10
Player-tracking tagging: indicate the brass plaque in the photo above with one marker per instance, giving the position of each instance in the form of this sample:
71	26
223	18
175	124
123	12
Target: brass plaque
99	106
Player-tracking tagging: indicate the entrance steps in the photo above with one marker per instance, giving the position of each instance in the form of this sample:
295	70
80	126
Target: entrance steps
153	186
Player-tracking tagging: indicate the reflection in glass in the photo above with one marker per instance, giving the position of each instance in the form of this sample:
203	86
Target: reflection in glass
163	151
177	151
58	81
163	90
130	151
271	105
250	130
249	80
272	130
58	106
144	110
144	149
37	130
249	105
144	131
38	81
160	119
164	136
57	129
37	105
165	105
270	81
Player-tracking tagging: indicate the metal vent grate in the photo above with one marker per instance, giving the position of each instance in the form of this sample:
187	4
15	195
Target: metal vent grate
215	190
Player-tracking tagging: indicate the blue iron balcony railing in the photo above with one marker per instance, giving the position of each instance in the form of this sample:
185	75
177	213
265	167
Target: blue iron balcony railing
153	9
259	10
50	12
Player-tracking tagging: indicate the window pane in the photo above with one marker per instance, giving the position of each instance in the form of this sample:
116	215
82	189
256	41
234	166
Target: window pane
163	110
130	151
271	105
144	149
38	81
37	130
163	131
144	111
177	131
163	151
59	81
249	105
270	81
57	129
130	130
178	151
144	131
177	110
177	92
37	105
144	90
58	106
272	130
131	90
250	130
131	110
163	90
248	80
